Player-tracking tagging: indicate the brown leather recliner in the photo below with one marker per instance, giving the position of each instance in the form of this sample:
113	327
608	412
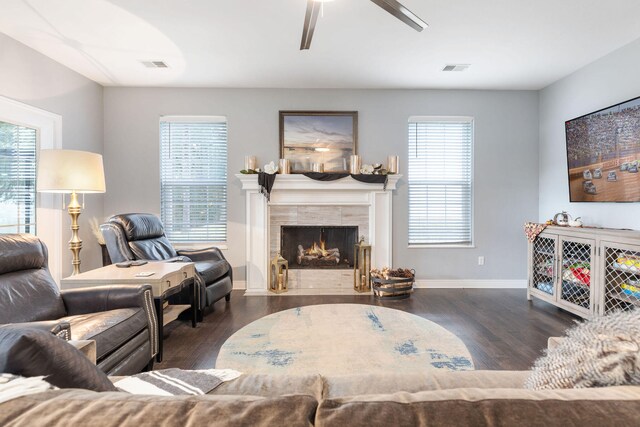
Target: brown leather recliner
120	318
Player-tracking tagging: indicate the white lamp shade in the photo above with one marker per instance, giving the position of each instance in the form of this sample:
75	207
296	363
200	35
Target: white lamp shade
68	171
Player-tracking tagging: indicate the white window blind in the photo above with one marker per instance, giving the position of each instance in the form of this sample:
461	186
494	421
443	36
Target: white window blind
440	181
193	175
18	147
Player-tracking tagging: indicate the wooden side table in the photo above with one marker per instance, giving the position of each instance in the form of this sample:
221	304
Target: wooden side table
168	278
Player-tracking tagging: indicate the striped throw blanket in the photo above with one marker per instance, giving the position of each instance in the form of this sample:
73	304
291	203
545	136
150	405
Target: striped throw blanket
14	386
173	382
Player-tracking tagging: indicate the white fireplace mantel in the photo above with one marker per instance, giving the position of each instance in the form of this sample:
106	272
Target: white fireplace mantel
294	189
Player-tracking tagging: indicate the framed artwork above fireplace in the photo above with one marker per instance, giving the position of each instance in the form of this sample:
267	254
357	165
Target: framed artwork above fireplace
326	137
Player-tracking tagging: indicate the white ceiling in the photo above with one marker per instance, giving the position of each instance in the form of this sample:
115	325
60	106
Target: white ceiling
511	44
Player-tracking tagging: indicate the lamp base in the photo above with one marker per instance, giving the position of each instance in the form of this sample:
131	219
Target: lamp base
75	244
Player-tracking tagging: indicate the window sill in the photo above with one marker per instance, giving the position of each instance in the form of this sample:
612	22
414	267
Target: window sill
200	245
443	246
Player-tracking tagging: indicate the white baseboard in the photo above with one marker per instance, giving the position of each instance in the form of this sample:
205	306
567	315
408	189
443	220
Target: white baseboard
470	284
257	293
432	284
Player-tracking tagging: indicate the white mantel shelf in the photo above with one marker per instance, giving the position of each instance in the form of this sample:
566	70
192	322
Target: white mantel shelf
298	190
301	182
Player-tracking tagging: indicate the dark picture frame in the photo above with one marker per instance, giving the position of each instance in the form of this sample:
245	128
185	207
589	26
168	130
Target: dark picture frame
327	137
601	143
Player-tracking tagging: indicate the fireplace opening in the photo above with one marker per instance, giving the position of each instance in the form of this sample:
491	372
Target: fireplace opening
328	247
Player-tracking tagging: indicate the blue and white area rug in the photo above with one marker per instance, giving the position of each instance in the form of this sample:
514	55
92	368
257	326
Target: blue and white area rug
342	339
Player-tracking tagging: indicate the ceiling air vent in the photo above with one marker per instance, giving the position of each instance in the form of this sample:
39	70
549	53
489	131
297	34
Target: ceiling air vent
456	67
154	64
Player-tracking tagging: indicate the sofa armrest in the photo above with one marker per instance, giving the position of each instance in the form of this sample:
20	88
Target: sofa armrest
58	328
179	258
104	298
205	254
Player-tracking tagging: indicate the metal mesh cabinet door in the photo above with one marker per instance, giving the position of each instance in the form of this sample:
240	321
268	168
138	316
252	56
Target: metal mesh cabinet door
621	276
576	290
543	268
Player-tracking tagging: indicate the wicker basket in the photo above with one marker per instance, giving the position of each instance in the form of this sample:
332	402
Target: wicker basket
393	288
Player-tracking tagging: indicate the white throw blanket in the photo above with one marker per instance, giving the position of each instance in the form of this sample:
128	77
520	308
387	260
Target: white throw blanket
13	386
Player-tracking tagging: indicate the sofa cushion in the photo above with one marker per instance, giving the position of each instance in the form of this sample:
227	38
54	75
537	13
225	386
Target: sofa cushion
33	352
271	385
158	248
139	226
83	408
21	252
210	271
110	329
145	236
360	384
27	290
603	351
29	296
496	407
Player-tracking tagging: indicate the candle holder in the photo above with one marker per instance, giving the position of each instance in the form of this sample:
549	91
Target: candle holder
362	266
284	166
393	164
279	274
355	163
250	163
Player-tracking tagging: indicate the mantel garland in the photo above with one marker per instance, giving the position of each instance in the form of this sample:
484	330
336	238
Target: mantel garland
266	180
368	178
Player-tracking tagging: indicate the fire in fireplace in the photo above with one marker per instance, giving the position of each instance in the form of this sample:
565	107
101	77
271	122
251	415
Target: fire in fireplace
328	247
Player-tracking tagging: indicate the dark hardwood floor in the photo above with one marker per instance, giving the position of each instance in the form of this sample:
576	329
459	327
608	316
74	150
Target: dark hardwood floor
501	328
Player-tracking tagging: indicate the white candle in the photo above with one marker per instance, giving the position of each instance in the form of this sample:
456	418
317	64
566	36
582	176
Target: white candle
284	166
250	162
393	164
355	163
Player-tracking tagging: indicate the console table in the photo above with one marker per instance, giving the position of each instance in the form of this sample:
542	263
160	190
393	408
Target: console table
168	278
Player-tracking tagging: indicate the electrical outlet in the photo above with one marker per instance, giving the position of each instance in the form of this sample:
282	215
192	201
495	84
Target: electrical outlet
480	260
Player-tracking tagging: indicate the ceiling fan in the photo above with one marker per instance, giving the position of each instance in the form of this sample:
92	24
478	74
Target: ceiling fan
392	6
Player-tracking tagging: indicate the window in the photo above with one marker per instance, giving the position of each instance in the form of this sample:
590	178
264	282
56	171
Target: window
193	178
18	145
440	181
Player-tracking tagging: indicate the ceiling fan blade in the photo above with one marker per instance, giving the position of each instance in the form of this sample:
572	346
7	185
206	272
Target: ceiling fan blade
310	19
402	13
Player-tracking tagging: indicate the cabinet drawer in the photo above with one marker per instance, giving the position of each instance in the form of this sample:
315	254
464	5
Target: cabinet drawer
171	281
188	271
178	277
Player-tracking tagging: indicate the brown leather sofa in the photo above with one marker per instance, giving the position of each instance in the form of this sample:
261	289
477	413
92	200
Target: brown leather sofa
120	319
140	236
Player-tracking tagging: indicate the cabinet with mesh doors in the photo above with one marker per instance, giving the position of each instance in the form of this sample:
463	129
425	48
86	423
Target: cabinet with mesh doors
620	277
586	271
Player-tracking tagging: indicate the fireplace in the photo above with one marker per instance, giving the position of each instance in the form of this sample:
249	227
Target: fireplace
318	247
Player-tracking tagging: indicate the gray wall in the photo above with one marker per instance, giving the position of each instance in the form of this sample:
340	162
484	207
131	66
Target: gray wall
32	78
607	81
506	153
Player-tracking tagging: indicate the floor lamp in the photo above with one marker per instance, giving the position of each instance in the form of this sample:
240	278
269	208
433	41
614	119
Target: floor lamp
71	172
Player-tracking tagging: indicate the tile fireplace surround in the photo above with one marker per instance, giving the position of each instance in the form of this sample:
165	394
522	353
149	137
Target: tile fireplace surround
298	200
